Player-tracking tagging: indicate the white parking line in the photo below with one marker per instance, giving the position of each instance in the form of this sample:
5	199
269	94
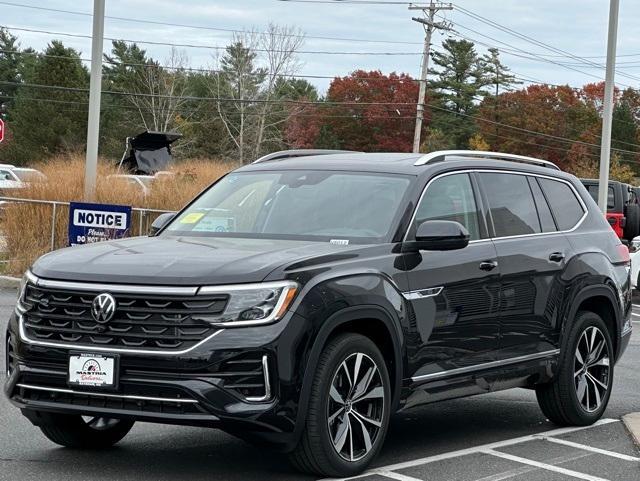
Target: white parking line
398	476
463	452
547	467
590	448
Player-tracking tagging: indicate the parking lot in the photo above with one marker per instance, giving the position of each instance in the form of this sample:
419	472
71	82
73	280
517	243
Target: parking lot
501	436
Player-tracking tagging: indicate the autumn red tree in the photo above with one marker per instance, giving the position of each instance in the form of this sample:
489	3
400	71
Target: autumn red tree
552	111
367	111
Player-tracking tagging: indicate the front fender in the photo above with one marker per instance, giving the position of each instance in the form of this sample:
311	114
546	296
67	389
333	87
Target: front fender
329	304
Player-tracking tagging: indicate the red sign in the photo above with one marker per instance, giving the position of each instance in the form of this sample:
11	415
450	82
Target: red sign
1	130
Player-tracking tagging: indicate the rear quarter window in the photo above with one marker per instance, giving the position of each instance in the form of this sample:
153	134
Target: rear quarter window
566	208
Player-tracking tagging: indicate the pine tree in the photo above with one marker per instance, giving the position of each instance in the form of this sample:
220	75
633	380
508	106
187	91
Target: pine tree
498	78
459	82
9	65
59	121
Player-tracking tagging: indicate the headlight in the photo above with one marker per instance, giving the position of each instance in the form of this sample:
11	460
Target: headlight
252	304
634	246
27	278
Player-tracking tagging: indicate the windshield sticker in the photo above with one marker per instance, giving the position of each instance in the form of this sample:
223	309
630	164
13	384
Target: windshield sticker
216	224
192	218
340	242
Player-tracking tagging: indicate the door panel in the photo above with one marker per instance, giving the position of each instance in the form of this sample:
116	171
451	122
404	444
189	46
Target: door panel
531	293
532	255
457	324
454	293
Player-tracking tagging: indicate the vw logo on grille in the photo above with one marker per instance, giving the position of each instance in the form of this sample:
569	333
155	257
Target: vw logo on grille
103	308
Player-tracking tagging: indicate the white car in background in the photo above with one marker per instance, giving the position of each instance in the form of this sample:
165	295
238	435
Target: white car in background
28	175
138	182
634	253
8	179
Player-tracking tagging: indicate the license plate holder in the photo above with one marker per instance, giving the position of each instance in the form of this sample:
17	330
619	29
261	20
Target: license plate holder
93	371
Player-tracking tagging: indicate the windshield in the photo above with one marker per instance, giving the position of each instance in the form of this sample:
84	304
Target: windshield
27	175
147	181
316	205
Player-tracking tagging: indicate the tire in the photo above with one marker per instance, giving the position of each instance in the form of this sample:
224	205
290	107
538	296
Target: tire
632	222
334	439
75	431
575	398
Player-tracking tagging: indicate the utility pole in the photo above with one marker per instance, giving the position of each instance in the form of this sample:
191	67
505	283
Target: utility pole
430	12
607	113
95	87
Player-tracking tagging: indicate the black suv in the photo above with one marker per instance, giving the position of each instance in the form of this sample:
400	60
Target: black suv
303	299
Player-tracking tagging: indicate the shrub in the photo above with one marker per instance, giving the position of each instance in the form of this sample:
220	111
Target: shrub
26	227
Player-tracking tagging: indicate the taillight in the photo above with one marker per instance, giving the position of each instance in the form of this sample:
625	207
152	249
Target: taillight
623	254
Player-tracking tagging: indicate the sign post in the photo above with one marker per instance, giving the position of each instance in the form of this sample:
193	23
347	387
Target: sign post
90	223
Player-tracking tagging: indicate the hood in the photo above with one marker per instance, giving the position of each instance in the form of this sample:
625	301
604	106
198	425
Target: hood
179	260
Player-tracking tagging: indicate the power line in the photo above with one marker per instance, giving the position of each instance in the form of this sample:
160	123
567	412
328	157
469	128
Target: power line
209	47
215	29
532	40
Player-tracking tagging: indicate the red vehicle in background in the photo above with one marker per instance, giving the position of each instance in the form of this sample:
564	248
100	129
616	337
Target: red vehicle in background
623	210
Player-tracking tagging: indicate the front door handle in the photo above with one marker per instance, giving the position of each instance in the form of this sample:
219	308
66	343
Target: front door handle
488	265
556	257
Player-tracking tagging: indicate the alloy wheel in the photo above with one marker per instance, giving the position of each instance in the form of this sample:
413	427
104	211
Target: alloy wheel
592	369
355	409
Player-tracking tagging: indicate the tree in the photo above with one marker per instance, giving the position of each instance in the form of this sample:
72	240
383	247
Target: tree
459	82
237	86
587	166
498	78
281	45
369	111
624	133
551	111
9	65
50	120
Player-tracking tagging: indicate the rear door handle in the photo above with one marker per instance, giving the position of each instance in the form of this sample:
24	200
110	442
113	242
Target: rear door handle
488	265
556	257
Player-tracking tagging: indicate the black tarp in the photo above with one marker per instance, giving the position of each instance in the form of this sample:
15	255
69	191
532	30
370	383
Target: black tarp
148	152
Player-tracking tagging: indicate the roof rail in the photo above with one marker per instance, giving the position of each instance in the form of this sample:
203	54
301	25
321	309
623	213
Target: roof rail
287	154
441	155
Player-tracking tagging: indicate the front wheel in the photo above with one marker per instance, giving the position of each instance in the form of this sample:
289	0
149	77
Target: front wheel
83	432
582	388
348	411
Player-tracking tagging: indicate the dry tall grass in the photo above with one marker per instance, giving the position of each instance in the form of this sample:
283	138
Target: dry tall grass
27	227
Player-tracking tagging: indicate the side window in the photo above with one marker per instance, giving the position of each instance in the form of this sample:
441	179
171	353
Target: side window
611	198
450	198
511	203
544	213
565	206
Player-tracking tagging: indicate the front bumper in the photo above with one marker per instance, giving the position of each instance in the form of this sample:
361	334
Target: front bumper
196	388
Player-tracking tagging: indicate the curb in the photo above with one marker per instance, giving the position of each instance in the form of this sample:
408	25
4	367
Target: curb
9	281
632	422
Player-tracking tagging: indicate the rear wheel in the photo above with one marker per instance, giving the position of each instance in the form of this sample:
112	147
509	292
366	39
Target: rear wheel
83	432
582	388
348	410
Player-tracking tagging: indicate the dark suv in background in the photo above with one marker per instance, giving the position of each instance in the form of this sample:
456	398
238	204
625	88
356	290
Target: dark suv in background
303	299
623	210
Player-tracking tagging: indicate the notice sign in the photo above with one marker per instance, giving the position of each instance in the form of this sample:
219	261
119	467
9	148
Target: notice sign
97	222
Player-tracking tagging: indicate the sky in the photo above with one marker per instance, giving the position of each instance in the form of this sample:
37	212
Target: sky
575	26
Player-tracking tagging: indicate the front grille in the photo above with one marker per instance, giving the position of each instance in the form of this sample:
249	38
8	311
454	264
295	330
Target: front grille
141	321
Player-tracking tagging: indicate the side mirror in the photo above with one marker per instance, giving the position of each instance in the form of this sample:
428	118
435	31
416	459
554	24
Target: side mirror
161	221
441	235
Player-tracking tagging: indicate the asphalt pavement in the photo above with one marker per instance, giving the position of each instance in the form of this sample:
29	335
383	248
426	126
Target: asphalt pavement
499	436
